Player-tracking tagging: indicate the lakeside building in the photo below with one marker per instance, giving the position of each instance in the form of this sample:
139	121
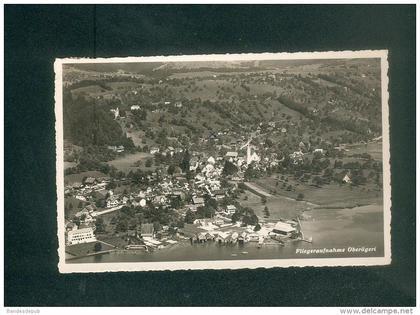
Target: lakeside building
147	230
283	228
79	236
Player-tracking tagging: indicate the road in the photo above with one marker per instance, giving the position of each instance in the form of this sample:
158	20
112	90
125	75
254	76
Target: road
107	210
257	189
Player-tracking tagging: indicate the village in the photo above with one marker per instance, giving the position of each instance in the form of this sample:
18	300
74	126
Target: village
205	205
192	197
240	180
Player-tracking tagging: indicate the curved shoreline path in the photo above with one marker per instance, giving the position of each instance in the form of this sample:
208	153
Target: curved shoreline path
108	210
259	191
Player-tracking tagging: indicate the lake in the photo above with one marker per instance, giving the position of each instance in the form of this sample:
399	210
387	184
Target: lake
329	228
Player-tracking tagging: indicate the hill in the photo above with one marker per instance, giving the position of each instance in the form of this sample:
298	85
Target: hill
86	124
326	100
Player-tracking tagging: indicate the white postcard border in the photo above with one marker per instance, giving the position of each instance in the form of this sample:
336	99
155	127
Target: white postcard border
225	264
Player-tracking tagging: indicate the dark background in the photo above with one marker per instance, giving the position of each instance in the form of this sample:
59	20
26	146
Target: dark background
37	34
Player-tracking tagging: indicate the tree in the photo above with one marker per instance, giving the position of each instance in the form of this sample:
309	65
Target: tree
250	219
148	163
257	227
229	168
76	221
205	212
300	197
122	225
358	179
266	212
111	185
236	217
98	247
242	186
263	200
100	203
176	203
189	217
250	172
185	162
171	169
156	226
211	202
99	224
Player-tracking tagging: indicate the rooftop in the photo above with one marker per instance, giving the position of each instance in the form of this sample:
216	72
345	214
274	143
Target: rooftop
284	227
147	228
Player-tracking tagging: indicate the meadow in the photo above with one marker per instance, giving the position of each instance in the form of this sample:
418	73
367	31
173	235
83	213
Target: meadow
279	207
126	163
332	195
372	148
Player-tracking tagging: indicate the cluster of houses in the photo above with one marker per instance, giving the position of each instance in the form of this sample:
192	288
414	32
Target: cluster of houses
206	230
163	189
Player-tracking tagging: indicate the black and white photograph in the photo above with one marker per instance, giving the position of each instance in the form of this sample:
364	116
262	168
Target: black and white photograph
209	156
223	161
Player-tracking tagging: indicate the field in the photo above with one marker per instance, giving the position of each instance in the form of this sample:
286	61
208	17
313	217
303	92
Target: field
69	165
332	195
278	206
122	85
117	241
126	163
86	248
372	148
73	205
77	178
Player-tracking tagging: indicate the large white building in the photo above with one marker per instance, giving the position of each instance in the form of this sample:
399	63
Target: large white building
84	235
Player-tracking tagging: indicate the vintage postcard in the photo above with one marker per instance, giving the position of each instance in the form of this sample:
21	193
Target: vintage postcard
223	161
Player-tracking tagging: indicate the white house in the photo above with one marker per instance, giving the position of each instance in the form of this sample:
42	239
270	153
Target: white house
193	165
112	202
84	235
297	156
135	107
211	160
255	157
231	155
154	150
222	237
80	197
302	145
347	179
116	112
230	209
